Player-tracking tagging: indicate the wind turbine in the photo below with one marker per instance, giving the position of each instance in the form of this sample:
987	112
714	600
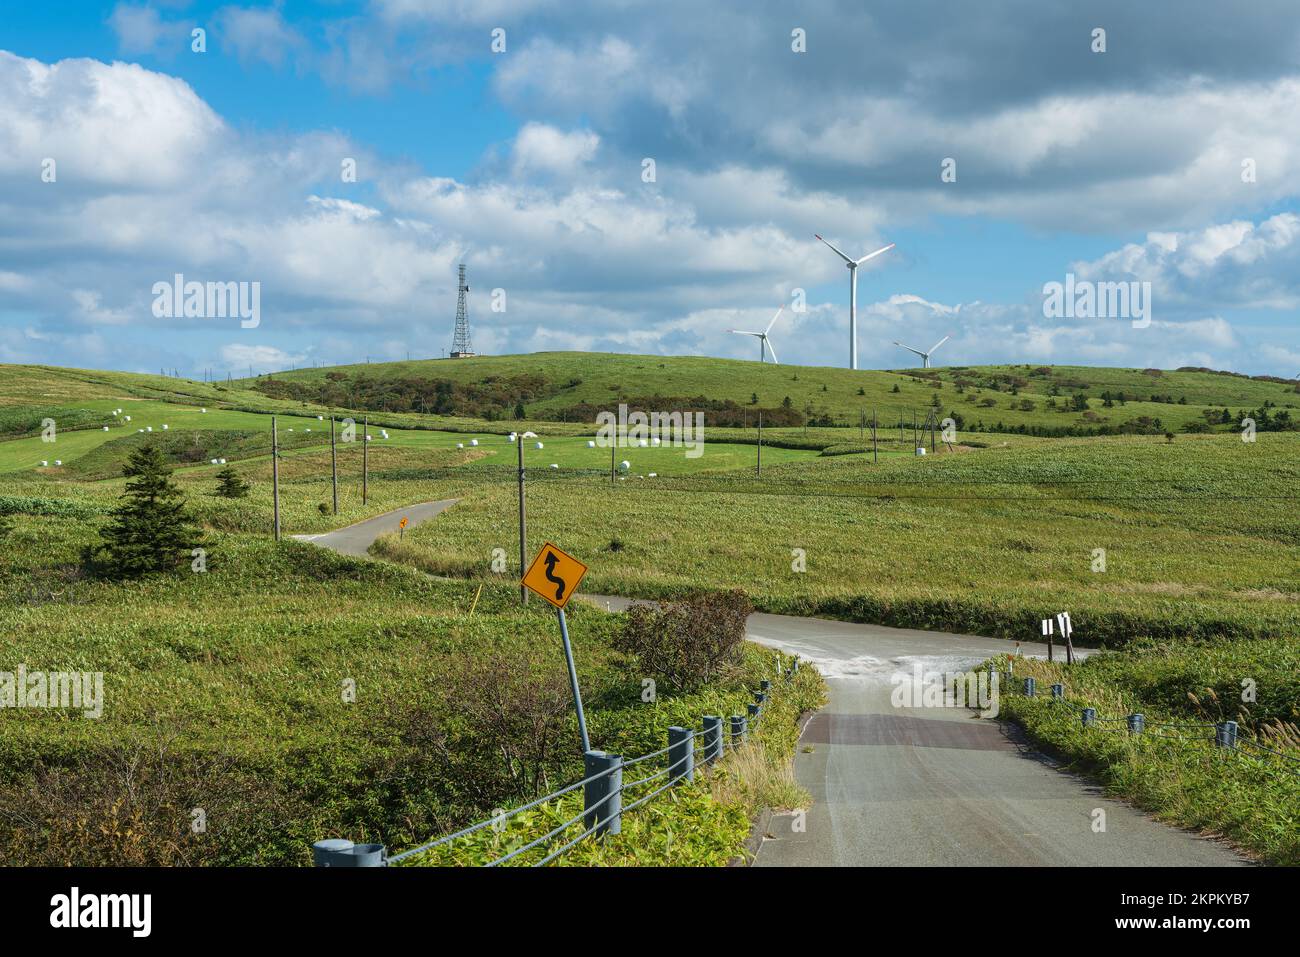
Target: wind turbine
853	265
925	356
763	343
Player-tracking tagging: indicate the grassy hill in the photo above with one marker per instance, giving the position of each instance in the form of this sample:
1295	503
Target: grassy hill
568	386
223	687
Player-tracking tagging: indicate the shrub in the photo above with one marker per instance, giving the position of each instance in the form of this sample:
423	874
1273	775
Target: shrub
690	642
230	485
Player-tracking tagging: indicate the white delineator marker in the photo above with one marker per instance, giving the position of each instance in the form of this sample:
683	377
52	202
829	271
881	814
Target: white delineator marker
853	265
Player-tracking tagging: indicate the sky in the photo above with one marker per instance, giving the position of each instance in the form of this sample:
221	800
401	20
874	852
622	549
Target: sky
644	176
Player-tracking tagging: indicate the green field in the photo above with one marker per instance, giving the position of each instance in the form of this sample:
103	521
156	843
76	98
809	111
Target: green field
223	687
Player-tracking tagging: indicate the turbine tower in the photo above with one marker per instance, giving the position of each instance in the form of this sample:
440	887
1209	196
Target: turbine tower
853	265
461	347
763	344
925	356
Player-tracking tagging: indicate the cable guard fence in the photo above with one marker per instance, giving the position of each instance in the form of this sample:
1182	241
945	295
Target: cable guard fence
603	792
1224	735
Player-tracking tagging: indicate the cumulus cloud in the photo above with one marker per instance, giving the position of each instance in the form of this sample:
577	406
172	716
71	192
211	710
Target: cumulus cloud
1239	263
152	182
238	357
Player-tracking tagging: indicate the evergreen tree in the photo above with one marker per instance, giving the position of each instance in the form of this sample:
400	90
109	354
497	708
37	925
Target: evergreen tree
151	530
230	485
519	410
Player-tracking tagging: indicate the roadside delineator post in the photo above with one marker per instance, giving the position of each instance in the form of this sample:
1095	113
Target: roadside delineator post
1225	734
737	730
1136	722
1029	687
1058	692
602	797
1089	717
336	852
681	754
712	737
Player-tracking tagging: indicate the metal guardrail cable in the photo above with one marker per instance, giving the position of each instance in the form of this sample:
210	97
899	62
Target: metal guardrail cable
646	757
556	853
464	832
554	831
1256	744
649	777
702	741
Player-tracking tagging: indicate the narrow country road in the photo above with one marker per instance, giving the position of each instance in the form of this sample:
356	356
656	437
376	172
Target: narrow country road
915	785
356	539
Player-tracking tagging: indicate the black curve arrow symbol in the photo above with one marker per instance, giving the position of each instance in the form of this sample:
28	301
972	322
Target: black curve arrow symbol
550	560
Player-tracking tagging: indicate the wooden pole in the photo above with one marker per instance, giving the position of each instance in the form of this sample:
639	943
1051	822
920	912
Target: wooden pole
760	443
365	459
875	447
275	476
334	467
523	523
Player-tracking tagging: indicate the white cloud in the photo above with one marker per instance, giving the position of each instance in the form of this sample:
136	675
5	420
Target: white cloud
237	356
542	148
257	34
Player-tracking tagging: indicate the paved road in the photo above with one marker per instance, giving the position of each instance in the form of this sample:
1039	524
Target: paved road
914	785
356	539
937	786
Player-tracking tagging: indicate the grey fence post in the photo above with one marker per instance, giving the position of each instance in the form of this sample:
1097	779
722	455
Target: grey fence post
712	737
794	666
765	685
1089	717
1225	734
681	754
336	852
753	711
1029	687
737	730
1058	691
1006	678
599	811
1136	723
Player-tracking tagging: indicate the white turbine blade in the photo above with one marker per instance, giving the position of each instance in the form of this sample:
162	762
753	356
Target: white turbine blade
774	319
771	350
939	343
744	332
837	252
910	349
882	249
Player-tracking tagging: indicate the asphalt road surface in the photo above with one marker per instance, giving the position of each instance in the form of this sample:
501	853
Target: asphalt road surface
937	786
913	785
356	539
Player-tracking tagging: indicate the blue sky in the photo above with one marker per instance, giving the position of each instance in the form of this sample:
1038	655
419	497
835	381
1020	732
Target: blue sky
1118	165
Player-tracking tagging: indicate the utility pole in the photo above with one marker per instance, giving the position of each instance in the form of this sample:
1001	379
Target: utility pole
760	443
334	467
933	418
275	476
875	449
365	457
523	523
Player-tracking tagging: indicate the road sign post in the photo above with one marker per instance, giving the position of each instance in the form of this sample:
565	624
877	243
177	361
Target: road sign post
554	575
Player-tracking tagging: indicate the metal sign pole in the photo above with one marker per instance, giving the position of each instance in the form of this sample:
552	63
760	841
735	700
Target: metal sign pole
573	680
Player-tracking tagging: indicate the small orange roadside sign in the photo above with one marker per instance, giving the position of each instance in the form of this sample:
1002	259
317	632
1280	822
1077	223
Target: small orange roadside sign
554	574
402	523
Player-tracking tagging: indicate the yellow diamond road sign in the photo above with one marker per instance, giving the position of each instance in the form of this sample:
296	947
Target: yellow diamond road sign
554	575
